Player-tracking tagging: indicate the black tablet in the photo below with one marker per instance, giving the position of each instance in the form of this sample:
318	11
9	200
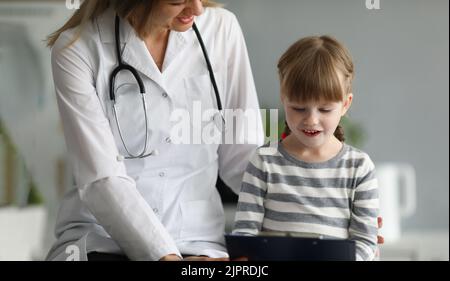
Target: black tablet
289	248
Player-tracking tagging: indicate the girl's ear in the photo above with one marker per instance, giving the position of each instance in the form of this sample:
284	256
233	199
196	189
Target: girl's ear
347	103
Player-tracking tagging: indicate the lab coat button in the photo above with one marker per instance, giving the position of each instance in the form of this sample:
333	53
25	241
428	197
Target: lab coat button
162	174
155	210
165	95
168	140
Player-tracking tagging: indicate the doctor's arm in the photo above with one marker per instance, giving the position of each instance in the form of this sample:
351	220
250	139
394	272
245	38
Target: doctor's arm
240	94
100	176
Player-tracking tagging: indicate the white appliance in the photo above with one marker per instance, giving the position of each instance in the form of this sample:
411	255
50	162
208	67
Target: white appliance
397	193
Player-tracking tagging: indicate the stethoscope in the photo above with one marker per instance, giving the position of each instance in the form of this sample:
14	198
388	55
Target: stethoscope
218	118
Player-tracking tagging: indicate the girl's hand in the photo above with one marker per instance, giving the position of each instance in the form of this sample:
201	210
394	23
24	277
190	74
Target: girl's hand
380	225
379	238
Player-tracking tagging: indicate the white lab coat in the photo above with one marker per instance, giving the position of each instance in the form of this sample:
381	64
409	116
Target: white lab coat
163	204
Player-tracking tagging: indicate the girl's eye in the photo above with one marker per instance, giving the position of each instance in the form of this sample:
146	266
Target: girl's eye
299	109
325	110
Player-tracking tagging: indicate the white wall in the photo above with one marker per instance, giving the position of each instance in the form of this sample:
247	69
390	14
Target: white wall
28	106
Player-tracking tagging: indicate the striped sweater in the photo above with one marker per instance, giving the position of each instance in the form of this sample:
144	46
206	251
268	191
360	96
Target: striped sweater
336	199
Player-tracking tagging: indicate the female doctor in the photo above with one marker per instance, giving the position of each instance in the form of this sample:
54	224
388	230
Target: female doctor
121	69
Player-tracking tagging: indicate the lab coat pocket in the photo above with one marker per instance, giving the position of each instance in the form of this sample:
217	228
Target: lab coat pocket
200	92
202	104
202	220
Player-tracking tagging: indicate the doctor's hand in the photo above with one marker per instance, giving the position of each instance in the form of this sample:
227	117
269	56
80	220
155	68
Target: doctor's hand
204	258
171	257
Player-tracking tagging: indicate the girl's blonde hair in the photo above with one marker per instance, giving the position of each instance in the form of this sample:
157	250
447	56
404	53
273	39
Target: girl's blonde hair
309	71
137	12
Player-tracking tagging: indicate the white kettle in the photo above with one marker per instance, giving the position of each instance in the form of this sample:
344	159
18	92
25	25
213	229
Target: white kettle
397	195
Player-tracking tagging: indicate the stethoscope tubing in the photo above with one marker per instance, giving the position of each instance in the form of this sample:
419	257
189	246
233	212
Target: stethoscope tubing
123	66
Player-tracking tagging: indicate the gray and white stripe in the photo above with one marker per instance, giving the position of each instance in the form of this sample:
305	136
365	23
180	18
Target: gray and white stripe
337	198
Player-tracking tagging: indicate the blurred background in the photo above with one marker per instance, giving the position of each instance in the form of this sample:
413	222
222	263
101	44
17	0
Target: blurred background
399	116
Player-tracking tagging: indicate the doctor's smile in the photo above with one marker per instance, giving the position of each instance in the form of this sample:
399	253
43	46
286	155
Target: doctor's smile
186	20
179	15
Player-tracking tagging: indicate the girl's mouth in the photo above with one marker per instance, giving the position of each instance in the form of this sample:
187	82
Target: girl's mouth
311	133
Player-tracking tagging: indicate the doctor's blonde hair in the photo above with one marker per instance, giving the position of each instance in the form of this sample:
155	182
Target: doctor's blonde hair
138	12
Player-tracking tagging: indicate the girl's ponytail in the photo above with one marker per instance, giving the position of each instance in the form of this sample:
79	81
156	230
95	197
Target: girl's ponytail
339	133
286	131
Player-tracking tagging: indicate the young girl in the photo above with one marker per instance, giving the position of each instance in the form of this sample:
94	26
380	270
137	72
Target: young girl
313	183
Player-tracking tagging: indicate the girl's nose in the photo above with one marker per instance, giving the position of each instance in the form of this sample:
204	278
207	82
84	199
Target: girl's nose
311	119
196	7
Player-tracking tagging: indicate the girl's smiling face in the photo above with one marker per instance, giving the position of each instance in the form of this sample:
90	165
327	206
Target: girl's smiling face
316	76
313	123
